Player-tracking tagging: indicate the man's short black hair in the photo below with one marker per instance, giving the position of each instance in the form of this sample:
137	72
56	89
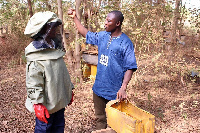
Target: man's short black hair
118	15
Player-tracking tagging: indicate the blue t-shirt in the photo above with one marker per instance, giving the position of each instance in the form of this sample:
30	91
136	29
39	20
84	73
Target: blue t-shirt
115	57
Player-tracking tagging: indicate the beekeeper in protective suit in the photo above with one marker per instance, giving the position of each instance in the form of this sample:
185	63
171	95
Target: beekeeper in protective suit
48	84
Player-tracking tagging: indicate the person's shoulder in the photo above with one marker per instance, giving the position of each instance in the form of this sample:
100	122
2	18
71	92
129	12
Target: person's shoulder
126	38
104	33
99	32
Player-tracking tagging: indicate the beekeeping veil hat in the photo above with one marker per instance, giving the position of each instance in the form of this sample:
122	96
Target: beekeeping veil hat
38	20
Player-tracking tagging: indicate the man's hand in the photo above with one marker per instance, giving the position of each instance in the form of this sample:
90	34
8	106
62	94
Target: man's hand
41	112
121	94
71	12
72	99
81	29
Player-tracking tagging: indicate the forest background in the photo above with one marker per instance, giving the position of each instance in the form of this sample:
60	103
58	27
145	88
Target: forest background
166	40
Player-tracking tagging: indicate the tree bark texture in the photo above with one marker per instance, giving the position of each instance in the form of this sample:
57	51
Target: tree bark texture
30	8
60	14
77	45
175	22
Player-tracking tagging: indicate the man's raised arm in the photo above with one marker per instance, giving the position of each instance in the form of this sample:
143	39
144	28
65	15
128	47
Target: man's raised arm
81	29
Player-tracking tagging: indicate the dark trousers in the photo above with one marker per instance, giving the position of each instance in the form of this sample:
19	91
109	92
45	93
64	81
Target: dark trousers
100	113
56	123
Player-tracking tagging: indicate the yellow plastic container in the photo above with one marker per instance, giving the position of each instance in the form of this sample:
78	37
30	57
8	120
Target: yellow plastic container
86	70
124	117
93	71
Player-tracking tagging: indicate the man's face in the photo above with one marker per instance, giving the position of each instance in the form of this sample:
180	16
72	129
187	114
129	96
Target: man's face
110	22
52	30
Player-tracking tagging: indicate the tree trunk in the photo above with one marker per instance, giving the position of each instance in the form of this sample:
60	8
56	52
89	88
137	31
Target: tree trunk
175	22
60	14
30	8
77	45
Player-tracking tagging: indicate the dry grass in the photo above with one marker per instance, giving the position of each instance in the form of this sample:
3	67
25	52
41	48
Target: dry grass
165	85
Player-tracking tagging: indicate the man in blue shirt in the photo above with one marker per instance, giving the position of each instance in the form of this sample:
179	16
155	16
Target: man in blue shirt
116	62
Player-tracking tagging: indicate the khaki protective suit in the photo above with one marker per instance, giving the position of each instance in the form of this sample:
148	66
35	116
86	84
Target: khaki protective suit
47	79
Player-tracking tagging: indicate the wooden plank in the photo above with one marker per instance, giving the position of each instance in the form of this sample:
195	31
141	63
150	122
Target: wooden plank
107	130
95	52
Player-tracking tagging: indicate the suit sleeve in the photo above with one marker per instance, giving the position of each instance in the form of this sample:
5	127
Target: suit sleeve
35	82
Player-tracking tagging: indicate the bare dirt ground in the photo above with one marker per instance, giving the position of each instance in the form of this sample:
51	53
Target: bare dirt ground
160	86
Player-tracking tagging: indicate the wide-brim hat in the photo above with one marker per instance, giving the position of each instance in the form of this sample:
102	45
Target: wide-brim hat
38	20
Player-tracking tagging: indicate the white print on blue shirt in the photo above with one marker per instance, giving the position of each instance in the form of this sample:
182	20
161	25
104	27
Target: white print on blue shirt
104	60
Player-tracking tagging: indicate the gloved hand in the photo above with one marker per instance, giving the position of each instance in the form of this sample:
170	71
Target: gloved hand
41	112
72	99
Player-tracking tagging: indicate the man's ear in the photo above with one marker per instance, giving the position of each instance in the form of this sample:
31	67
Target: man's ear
118	23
